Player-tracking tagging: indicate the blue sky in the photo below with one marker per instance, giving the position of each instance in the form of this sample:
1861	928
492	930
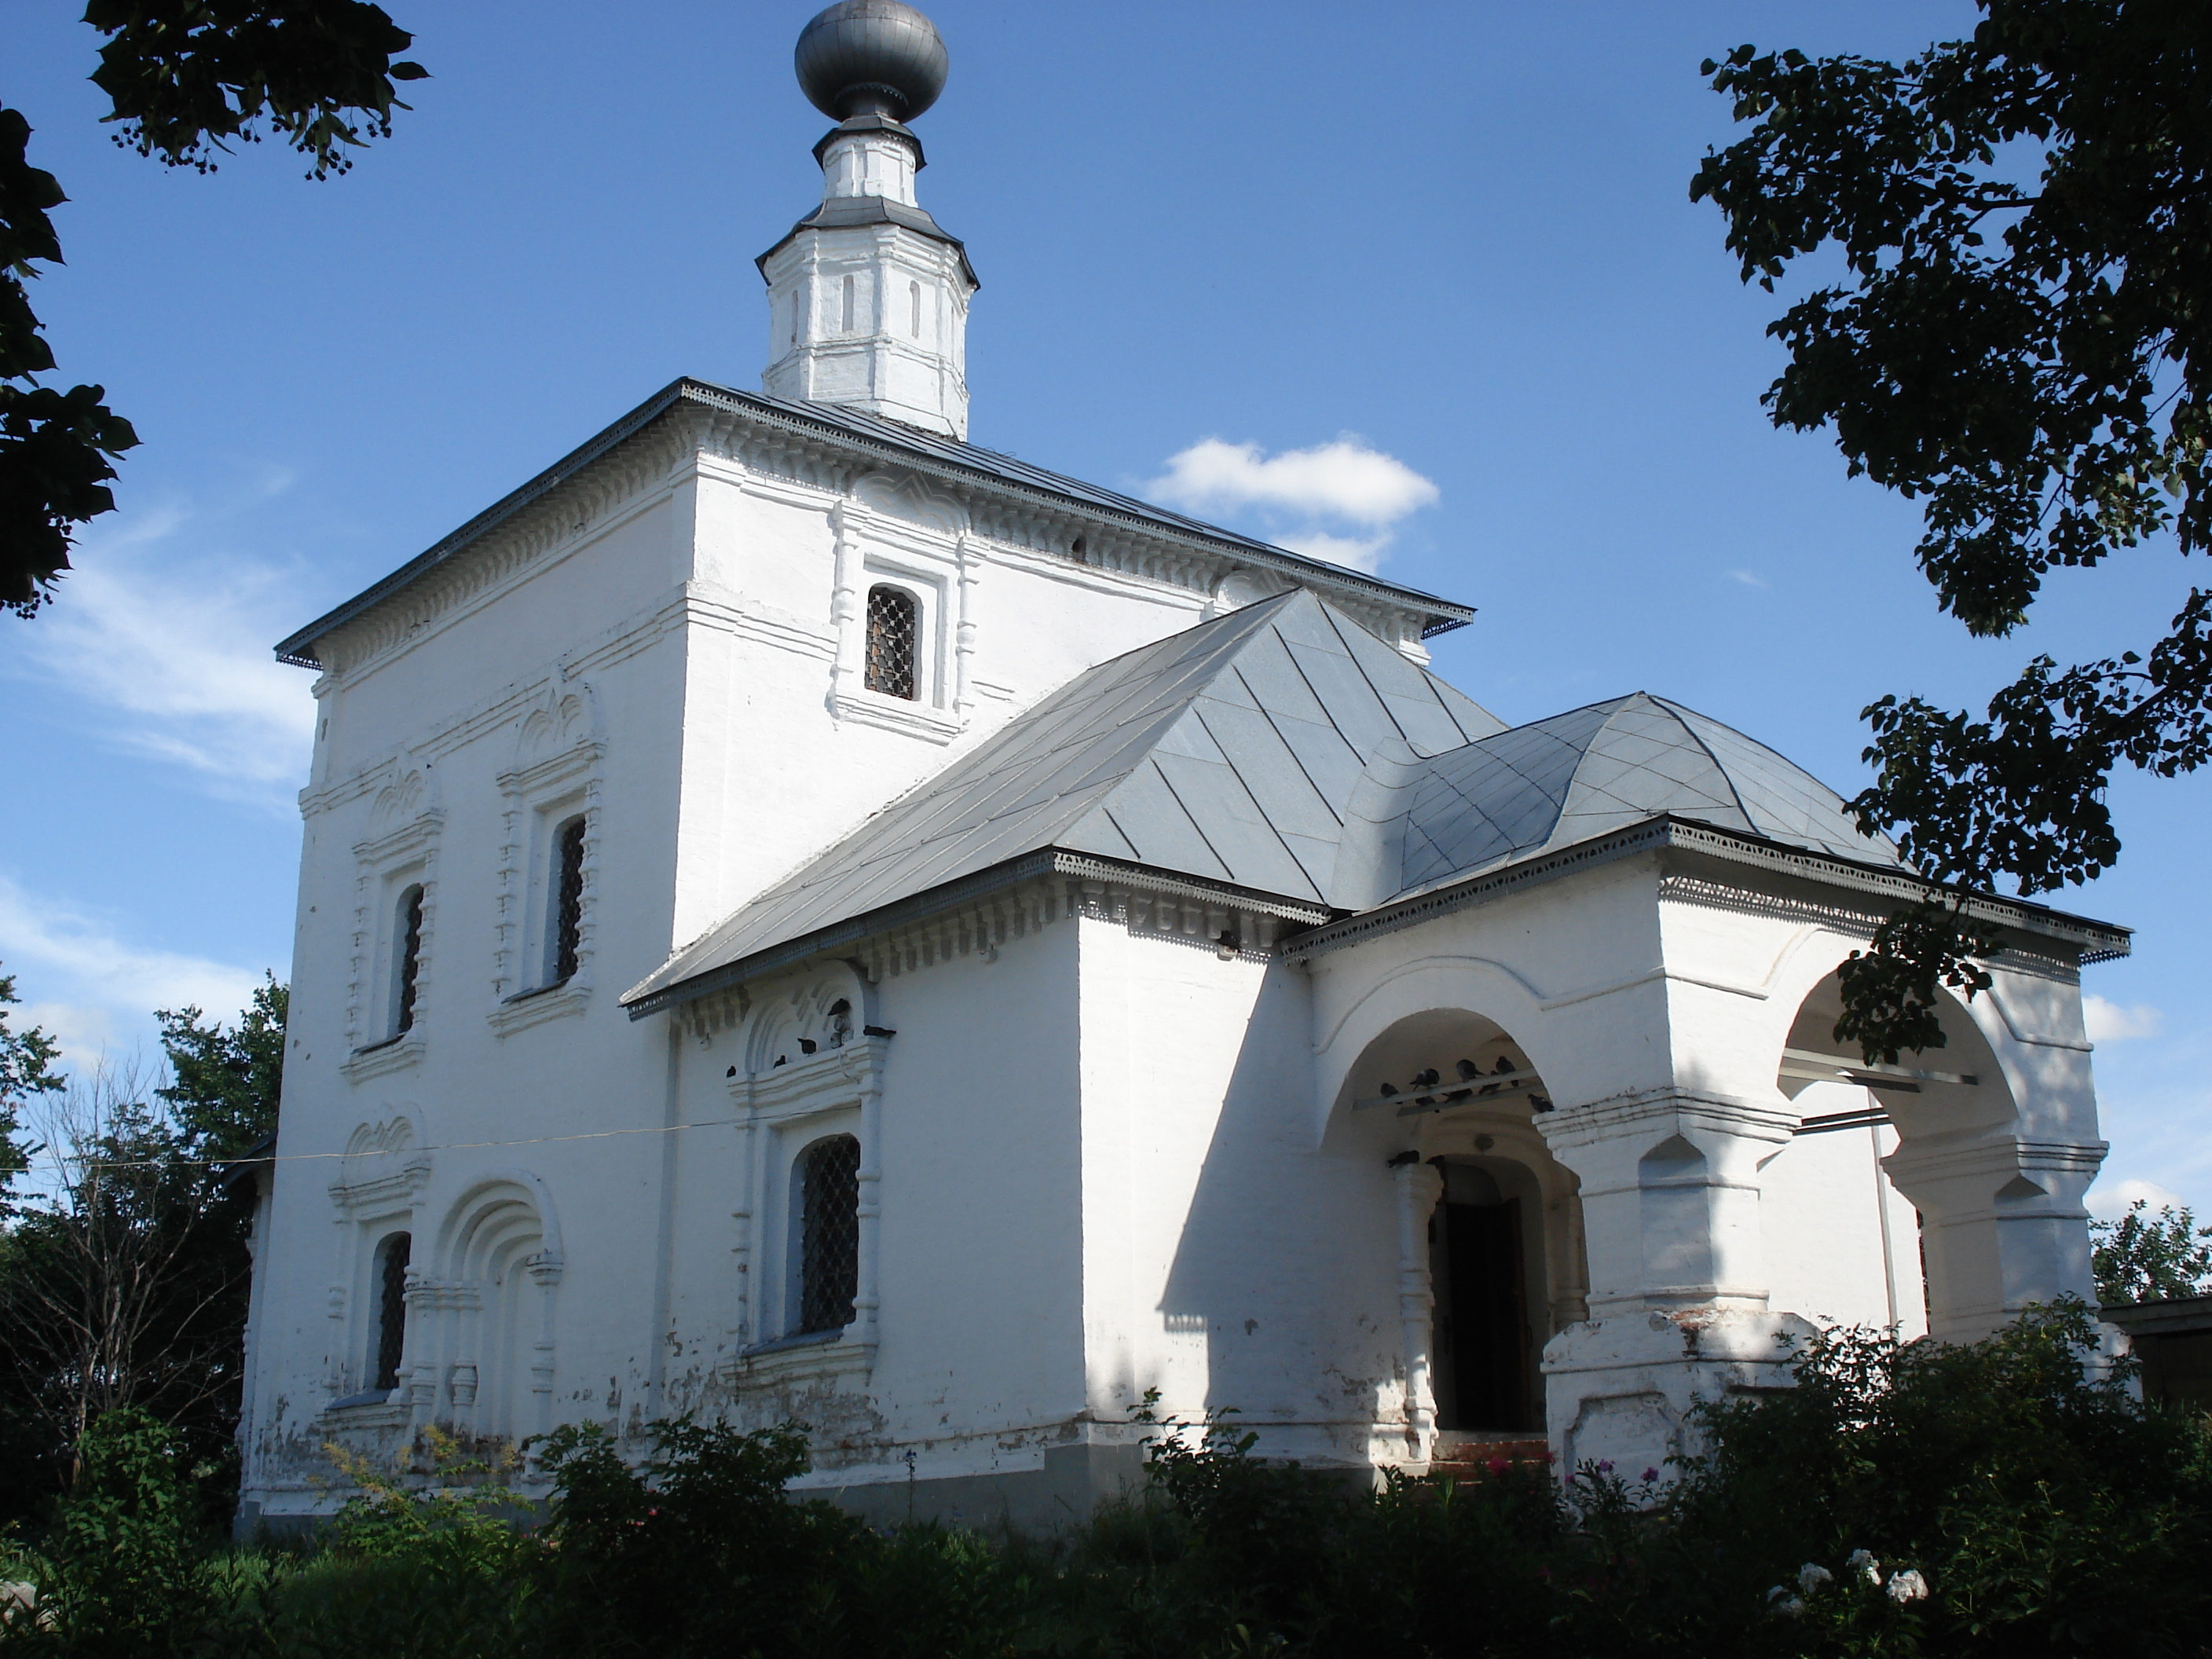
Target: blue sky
1458	237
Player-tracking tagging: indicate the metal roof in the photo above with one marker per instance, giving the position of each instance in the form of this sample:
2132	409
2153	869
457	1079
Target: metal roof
1236	752
1283	749
846	212
1569	779
897	445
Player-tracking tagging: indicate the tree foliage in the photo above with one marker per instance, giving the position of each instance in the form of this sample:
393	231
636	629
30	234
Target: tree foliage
2151	1258
2019	340
27	1071
124	1284
183	77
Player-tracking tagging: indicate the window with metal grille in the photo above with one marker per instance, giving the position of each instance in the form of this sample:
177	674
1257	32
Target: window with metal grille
829	1233
893	629
568	899
390	1309
410	961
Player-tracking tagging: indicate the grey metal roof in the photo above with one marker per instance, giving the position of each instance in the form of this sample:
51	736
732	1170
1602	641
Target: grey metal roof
1283	749
945	458
1558	781
846	212
1238	752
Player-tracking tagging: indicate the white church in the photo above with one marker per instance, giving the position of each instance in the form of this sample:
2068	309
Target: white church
804	918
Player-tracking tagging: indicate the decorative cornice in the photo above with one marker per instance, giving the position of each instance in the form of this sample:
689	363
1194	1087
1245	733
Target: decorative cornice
982	912
1885	887
787	440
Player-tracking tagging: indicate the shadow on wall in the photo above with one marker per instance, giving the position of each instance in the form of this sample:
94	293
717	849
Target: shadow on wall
1280	1235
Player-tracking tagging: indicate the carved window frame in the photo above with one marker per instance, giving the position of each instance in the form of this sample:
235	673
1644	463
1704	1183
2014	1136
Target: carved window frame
378	1194
387	866
539	799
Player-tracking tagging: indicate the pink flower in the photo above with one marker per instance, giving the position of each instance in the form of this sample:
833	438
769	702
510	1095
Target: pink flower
1650	1475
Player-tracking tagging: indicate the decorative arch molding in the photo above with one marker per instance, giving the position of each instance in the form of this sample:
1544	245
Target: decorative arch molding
385	1167
1476	984
814	1013
481	1312
489	1189
908	496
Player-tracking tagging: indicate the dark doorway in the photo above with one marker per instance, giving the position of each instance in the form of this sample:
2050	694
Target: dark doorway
1481	1306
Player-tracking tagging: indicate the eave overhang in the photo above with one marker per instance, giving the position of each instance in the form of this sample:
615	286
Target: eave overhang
2097	941
1051	862
1440	616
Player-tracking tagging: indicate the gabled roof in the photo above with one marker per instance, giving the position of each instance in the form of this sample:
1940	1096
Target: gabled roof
1242	752
896	443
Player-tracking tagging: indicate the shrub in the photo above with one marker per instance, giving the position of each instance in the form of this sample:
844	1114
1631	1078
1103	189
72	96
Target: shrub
120	1570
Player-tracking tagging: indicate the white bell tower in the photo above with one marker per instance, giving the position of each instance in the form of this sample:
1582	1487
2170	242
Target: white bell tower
867	296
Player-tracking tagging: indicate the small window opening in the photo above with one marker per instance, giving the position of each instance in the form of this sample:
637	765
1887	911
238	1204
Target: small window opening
410	961
848	305
795	302
390	1309
915	290
894	630
568	899
830	1234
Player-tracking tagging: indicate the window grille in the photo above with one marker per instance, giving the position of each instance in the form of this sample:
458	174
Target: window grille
392	1309
830	1234
893	625
569	908
410	960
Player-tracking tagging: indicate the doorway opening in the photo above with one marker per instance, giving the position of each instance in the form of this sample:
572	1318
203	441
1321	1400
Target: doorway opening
1485	1376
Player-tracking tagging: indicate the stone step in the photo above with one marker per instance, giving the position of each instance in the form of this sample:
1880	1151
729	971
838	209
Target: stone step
1466	1455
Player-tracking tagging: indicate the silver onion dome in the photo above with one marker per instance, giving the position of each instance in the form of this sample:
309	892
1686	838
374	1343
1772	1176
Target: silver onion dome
871	57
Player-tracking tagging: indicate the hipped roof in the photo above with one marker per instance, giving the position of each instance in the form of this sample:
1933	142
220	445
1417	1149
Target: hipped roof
1285	750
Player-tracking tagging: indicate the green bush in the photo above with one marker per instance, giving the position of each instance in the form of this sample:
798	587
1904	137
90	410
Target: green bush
2007	1497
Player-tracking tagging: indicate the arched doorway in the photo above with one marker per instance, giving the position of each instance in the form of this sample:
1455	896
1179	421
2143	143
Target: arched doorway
1486	1271
1490	1227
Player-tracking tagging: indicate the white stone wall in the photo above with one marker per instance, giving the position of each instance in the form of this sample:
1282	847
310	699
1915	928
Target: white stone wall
671	644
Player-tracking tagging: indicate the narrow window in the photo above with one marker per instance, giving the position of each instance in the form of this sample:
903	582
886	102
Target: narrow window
915	290
390	1310
893	634
410	967
848	305
795	302
567	898
830	1233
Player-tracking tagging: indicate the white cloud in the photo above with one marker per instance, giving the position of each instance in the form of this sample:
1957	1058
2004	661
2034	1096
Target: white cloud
1749	579
91	988
169	653
2109	1022
1344	484
2110	1203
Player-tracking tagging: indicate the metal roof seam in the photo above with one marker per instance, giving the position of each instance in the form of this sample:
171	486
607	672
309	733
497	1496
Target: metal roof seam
1698	737
1228	755
1297	760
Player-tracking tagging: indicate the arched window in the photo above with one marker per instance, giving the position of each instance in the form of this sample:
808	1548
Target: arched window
829	1233
407	964
848	305
390	1309
915	290
894	630
568	896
